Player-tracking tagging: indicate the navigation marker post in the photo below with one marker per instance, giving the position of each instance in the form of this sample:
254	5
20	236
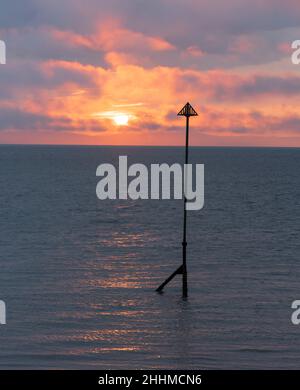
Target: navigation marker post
187	111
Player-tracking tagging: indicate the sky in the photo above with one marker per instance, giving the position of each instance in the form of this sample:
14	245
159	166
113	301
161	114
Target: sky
117	72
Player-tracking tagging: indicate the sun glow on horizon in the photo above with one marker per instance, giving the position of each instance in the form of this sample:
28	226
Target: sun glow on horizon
121	120
118	118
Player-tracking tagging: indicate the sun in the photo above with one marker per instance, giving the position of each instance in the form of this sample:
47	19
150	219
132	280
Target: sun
121	120
117	117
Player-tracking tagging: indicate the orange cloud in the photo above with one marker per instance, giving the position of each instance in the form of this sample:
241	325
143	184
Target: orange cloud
67	96
110	37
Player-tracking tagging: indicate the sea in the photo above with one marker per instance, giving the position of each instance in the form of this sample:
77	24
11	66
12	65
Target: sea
78	275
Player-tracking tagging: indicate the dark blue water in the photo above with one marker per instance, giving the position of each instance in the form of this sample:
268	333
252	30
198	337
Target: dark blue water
78	274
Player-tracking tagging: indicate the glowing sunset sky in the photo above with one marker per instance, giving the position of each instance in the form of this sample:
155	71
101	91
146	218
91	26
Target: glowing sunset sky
118	71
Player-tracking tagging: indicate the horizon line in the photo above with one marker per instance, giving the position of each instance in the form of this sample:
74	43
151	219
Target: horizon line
158	146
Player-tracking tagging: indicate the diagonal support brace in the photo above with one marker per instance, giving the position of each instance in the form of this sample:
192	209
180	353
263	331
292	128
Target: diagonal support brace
179	271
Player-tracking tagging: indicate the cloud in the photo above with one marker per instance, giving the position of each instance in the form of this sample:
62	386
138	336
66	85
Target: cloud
69	60
15	119
240	31
224	85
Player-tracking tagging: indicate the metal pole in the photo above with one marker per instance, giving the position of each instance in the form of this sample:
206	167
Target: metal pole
184	242
187	111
